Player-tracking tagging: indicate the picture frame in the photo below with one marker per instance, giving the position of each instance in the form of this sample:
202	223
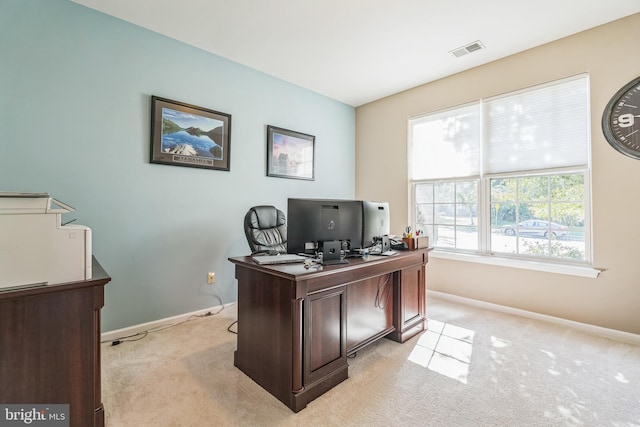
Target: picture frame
290	154
187	135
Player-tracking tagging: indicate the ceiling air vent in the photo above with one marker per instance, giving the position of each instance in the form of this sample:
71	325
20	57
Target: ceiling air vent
471	47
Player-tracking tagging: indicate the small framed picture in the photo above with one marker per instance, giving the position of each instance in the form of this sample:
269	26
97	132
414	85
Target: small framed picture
186	135
290	154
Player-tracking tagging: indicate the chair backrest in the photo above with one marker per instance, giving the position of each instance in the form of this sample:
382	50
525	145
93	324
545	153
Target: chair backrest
266	229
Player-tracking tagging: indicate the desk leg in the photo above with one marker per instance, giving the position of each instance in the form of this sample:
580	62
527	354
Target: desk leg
409	303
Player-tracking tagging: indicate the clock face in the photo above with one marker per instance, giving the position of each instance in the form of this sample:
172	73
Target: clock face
621	120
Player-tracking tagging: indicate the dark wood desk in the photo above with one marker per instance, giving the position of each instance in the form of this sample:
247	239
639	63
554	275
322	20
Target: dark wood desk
296	326
50	346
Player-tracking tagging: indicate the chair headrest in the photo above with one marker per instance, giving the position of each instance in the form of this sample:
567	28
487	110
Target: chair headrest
266	217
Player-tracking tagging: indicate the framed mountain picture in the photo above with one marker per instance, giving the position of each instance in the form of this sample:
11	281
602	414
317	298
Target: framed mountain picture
186	135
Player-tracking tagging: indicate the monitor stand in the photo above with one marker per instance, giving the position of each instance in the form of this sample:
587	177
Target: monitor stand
386	244
331	253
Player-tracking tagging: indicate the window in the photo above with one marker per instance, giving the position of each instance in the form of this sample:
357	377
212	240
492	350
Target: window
506	176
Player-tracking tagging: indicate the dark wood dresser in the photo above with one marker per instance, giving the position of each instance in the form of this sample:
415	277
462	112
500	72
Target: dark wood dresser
50	346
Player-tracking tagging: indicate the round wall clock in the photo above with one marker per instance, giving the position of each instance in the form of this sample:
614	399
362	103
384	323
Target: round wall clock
621	120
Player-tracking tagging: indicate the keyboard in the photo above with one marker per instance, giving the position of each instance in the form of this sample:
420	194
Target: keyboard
389	253
278	259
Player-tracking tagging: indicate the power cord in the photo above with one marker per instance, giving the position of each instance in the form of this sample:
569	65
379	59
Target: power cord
120	340
230	326
140	335
384	292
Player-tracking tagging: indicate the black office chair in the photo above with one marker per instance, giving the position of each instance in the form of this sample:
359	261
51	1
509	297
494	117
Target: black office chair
266	230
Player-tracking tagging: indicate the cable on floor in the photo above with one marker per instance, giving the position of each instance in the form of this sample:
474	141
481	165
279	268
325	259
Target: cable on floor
140	335
229	328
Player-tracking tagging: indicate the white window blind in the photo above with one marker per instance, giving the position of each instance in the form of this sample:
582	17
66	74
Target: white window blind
445	144
543	128
478	173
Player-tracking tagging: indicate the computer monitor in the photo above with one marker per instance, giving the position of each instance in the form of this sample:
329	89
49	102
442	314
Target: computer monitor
375	221
313	221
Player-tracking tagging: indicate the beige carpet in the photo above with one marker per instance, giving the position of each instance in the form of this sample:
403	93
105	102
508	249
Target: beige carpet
488	369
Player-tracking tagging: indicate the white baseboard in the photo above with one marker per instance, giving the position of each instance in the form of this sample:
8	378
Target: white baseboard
596	330
135	329
592	329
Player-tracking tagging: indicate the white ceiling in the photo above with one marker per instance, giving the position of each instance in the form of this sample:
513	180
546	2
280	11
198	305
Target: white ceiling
357	51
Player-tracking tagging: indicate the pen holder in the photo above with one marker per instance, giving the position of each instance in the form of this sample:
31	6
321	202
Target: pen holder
411	243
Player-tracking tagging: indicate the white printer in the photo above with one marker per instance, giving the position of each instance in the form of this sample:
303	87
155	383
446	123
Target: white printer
35	248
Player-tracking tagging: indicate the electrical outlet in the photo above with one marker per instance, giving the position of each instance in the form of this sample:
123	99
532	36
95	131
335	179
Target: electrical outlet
211	278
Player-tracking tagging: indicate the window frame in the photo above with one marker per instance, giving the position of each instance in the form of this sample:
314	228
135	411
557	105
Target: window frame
484	254
586	200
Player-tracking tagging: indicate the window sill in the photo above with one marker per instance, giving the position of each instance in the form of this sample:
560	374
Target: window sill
571	270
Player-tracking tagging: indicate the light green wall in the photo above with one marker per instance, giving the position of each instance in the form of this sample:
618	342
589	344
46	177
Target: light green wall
75	88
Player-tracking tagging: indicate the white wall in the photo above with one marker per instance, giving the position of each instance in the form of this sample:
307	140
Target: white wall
609	54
